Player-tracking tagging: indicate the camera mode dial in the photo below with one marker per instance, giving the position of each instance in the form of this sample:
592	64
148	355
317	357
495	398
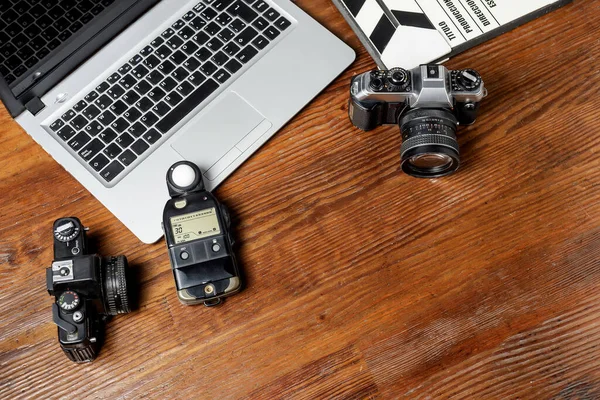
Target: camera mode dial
66	231
377	82
398	79
69	300
469	79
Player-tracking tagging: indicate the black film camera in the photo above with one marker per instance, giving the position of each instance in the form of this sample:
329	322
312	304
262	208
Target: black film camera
428	103
88	290
197	232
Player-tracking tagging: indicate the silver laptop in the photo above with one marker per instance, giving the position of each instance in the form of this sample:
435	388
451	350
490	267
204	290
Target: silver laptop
124	90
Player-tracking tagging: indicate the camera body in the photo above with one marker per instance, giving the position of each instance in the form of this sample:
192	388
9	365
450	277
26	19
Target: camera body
428	103
197	230
88	290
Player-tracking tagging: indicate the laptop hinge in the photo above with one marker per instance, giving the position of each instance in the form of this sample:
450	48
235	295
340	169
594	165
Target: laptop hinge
35	105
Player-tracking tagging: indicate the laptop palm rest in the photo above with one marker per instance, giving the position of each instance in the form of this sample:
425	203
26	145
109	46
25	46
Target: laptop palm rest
216	139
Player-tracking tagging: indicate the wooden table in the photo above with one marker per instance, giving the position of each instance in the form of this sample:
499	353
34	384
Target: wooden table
362	282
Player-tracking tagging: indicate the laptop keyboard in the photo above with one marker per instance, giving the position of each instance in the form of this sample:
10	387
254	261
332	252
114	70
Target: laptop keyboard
114	127
31	29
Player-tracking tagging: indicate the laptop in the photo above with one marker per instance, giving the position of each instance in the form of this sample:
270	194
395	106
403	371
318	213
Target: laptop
116	91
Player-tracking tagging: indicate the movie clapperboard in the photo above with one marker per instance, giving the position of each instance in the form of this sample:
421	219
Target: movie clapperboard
406	33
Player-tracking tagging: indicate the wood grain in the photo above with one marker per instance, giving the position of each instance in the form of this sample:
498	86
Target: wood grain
361	282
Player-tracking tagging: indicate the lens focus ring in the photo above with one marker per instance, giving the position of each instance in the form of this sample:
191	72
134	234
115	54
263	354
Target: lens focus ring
429	139
115	283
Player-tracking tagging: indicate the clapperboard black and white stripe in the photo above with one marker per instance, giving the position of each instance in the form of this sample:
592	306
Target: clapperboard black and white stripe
399	31
406	33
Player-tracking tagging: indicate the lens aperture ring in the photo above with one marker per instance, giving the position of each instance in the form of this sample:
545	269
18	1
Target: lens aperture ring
427	140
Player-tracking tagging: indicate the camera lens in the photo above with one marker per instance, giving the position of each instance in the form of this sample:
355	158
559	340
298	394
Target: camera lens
429	145
377	84
115	285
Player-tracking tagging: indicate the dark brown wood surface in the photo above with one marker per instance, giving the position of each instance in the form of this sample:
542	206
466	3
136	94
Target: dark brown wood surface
362	282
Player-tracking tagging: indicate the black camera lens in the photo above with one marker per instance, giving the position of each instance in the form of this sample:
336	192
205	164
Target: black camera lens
114	282
429	145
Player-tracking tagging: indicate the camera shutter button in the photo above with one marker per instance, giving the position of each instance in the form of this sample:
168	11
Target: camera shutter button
184	255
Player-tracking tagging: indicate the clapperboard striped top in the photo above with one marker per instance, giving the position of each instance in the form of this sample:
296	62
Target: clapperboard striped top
406	33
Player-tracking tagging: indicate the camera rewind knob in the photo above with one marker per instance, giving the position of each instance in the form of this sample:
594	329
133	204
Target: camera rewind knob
66	230
469	79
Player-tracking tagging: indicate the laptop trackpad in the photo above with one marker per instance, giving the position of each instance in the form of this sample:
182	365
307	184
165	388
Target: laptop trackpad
217	138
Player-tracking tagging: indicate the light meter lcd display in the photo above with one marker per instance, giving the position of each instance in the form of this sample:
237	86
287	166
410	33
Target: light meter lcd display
196	225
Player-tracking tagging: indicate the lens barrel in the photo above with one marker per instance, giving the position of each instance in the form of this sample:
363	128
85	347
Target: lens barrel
429	145
114	282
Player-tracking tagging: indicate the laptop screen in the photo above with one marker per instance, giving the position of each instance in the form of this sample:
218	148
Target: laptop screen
32	30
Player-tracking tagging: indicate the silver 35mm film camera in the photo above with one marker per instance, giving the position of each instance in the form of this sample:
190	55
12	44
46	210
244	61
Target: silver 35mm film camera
428	103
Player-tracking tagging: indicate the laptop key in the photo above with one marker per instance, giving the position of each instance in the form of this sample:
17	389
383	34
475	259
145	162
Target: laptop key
168	84
214	44
260	6
247	54
113	78
103	87
119	107
189	16
135	60
66	133
128	81
155	77
197	78
103	102
161	108
223	19
233	66
241	10
260	42
124	140
260	23
271	32
178	57
116	92
106	118
203	54
139	72
99	162
80	106
137	129
90	97
140	146
168	33
186	106
94	128
112	150
246	36
208	14
178	24
220	58
186	33
237	25
152	136
79	140
156	94
175	42
271	14
68	115
91	149
212	28
180	74
109	173
120	125
185	88
231	49
222	75
190	48
163	52
226	35
173	98
197	23
56	125
157	42
166	67
131	97
220	5
208	68
192	64
108	135
144	104
127	157
149	119
282	23
91	112
143	87
201	38
152	61
132	114
79	122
